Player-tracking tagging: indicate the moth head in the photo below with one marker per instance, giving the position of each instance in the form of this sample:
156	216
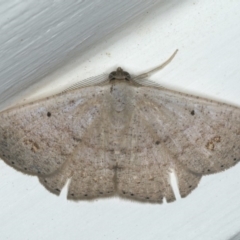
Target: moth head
119	74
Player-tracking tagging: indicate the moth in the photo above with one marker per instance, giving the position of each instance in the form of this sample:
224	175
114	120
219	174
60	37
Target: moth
123	137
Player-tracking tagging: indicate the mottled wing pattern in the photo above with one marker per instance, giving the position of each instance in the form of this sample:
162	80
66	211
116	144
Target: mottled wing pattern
144	165
198	136
122	138
144	171
39	138
89	167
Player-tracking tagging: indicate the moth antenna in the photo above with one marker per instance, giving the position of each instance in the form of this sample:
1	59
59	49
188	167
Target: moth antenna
147	74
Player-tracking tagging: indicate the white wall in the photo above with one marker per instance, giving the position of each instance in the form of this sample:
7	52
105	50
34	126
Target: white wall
39	37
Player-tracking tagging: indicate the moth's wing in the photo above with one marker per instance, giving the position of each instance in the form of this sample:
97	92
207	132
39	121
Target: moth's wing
90	167
39	138
201	135
170	130
143	172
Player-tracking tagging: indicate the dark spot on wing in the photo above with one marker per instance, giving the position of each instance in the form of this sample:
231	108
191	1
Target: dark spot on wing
77	139
71	102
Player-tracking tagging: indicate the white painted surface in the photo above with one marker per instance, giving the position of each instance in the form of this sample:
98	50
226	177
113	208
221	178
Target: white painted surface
38	37
207	34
